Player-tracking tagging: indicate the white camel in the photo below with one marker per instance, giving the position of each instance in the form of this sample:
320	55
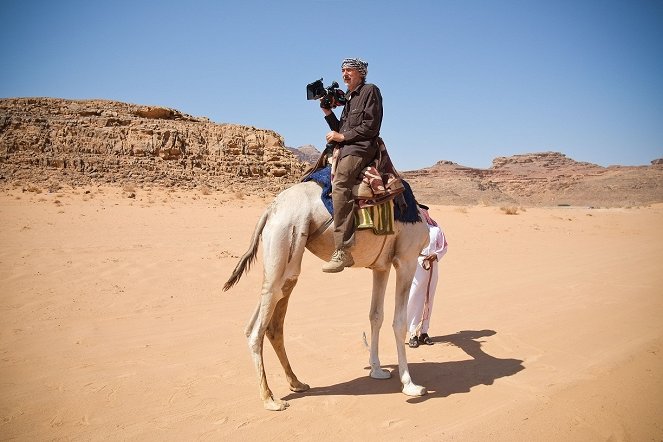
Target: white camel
295	220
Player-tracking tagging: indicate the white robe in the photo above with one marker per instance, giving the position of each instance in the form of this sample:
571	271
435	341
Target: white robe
422	291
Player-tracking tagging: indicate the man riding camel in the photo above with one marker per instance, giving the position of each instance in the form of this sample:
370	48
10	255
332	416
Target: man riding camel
356	135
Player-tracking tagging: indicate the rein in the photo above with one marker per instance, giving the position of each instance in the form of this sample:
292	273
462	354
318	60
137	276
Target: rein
321	229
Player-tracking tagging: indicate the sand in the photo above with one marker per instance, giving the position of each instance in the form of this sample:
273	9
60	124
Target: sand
547	326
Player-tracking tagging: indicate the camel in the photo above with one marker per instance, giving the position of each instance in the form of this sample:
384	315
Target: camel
297	220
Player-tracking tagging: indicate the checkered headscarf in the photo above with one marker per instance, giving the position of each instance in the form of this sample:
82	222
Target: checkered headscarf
356	63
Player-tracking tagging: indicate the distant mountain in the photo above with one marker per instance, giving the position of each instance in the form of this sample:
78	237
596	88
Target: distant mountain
545	178
306	154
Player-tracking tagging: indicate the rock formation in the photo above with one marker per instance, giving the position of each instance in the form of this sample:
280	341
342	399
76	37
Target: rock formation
547	178
50	142
100	141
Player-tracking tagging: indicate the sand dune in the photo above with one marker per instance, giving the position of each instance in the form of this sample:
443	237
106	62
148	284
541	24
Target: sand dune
547	326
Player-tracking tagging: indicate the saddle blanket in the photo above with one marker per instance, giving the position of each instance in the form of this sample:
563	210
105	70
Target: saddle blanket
379	217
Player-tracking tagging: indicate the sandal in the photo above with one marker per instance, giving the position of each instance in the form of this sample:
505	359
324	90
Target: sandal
425	339
414	342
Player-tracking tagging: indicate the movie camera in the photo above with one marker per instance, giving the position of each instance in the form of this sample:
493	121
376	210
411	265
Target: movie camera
330	97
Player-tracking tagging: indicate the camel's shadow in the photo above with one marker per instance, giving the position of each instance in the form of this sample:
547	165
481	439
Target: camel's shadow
442	379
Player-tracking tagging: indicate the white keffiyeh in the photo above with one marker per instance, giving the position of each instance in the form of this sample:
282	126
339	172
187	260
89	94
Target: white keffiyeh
356	63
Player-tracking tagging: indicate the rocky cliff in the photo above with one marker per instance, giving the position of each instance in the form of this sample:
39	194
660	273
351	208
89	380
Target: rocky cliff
100	141
546	178
51	142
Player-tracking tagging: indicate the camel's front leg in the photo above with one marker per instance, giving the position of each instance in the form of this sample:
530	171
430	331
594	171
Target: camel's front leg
404	275
376	315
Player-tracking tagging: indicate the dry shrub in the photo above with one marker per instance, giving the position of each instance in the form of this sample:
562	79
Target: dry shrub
32	188
511	210
239	195
129	188
54	187
206	190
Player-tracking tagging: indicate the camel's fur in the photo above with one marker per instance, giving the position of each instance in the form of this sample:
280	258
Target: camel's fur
295	221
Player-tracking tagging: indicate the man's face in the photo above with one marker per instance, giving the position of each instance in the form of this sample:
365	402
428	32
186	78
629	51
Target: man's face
351	77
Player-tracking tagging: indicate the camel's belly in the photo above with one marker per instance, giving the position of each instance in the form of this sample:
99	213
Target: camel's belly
368	247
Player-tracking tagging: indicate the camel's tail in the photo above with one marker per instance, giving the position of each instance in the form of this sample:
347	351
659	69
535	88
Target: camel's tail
247	259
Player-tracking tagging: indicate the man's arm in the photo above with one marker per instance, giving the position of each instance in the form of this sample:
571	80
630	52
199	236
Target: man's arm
332	121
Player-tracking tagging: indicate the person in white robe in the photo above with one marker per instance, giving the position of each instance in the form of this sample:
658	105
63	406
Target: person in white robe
424	284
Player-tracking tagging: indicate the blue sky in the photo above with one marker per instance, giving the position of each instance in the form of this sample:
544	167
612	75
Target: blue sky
462	80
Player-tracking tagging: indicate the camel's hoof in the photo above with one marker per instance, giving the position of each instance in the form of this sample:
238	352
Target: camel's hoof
378	373
298	387
274	405
414	390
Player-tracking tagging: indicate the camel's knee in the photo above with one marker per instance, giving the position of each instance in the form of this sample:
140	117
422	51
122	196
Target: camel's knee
255	342
289	285
399	320
376	318
275	336
399	326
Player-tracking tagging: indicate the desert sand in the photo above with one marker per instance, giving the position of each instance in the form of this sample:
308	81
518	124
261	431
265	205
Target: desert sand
547	326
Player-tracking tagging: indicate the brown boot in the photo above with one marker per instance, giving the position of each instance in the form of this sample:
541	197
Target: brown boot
339	260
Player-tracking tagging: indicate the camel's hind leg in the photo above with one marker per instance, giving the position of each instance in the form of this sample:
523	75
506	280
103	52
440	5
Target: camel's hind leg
376	316
282	256
404	274
275	335
256	336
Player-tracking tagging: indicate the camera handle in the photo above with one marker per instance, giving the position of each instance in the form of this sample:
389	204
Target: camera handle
331	145
329	149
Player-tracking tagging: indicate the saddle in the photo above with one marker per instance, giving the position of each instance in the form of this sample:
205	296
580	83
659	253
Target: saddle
380	185
380	182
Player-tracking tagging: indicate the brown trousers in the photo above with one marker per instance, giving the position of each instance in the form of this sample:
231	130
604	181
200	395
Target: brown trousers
346	175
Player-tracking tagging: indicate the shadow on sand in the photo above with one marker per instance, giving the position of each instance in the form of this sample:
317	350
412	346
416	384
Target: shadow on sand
442	379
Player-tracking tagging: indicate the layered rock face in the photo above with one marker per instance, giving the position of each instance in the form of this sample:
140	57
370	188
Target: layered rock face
100	141
51	142
546	178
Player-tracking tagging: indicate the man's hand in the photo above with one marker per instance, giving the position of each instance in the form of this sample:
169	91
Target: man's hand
335	136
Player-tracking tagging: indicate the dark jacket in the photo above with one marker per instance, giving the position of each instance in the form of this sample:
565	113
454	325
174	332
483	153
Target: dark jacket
360	122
